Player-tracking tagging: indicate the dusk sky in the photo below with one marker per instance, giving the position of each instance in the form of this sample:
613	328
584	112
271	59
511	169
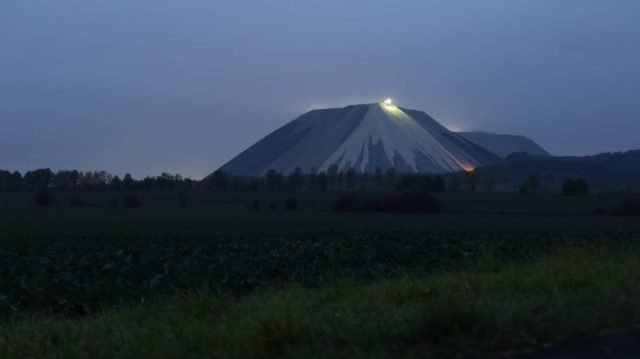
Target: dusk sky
183	86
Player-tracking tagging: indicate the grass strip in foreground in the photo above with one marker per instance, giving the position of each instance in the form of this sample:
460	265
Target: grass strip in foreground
488	309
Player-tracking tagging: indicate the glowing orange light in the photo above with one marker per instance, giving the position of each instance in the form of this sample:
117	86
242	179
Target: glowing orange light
467	167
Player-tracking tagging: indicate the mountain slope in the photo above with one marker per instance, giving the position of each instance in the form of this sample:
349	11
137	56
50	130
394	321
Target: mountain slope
362	137
606	171
504	145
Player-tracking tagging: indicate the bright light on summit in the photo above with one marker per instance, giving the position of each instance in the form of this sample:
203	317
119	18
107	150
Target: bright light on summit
388	102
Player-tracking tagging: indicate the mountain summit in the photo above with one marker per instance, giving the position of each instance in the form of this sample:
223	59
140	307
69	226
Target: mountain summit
364	138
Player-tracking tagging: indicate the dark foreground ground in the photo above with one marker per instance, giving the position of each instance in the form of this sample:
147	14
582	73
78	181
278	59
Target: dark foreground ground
500	274
622	344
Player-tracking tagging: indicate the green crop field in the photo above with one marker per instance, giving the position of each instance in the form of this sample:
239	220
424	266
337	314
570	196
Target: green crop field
62	265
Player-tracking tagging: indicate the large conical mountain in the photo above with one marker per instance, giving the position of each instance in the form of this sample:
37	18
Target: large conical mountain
362	137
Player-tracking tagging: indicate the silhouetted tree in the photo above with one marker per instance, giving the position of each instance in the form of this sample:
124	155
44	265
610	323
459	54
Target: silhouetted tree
38	180
533	182
17	182
312	179
85	181
332	173
101	180
5	181
471	179
94	181
389	178
296	179
322	182
254	185
575	187
489	183
274	180
350	178
364	179
340	185
219	180
379	178
236	183
116	184
454	183
164	182
128	183
66	180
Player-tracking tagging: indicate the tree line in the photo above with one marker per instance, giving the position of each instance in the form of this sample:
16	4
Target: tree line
42	180
45	180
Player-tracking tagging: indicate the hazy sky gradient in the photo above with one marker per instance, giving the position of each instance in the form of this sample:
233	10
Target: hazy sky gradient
146	86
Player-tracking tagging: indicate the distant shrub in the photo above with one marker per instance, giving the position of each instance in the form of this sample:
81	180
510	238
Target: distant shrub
524	189
405	202
346	203
372	205
412	202
291	204
533	182
255	205
114	202
628	207
131	201
415	183
273	206
575	187
45	199
78	202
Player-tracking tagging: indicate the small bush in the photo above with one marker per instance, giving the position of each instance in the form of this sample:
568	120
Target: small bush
45	199
132	201
412	202
372	205
575	187
114	202
415	183
629	207
346	203
78	202
273	206
291	204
